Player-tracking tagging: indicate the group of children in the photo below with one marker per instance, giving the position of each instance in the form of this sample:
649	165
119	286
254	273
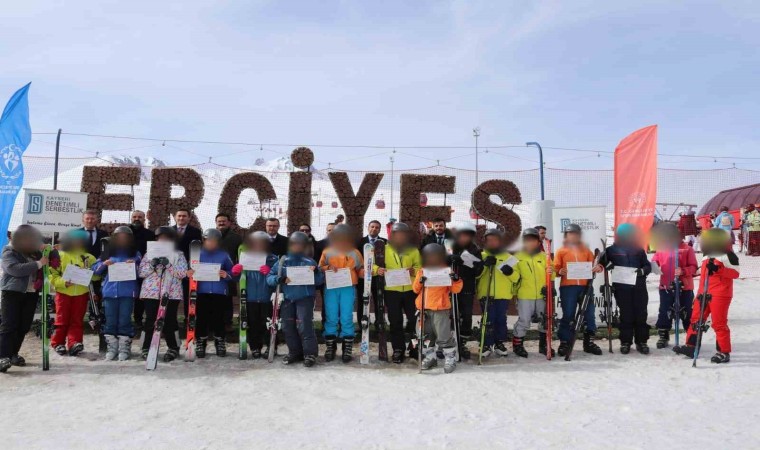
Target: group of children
492	275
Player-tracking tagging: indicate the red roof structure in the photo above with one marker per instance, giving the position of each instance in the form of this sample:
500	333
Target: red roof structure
735	199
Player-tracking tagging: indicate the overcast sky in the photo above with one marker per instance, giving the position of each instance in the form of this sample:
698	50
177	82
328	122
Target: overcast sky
570	74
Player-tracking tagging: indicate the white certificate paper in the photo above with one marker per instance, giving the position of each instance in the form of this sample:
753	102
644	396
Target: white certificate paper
300	275
253	260
160	249
624	275
437	277
339	279
77	275
207	272
469	259
122	271
397	277
579	270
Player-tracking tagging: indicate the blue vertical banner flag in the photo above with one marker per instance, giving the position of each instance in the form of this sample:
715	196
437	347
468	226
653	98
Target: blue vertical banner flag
15	135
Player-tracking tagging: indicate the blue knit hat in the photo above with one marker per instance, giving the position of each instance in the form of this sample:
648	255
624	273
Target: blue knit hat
77	235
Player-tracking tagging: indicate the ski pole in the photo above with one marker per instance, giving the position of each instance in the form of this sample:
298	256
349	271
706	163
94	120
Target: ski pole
484	317
421	336
677	300
701	322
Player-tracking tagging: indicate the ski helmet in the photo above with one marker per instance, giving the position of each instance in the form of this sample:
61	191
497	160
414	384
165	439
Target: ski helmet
299	237
434	250
400	227
122	229
493	232
625	230
212	233
466	227
77	235
259	236
166	231
531	232
715	241
341	230
573	228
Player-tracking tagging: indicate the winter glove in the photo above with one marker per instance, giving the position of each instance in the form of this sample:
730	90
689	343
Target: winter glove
455	260
454	276
711	266
732	258
609	266
237	269
423	279
264	270
282	279
156	262
639	272
490	261
507	270
543	292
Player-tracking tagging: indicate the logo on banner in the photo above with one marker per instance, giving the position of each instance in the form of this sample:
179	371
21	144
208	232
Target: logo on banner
563	223
585	224
35	204
10	163
637	199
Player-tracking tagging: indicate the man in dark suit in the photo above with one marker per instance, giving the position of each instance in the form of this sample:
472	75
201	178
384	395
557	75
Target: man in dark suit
279	242
141	235
438	235
186	234
90	224
373	234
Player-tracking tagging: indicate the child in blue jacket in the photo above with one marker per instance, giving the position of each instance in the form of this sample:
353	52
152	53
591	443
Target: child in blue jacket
212	295
297	309
119	296
258	293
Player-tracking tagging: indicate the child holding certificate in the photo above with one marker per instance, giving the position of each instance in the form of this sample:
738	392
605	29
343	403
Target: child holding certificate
162	275
437	308
118	267
402	261
258	293
213	274
573	254
340	256
70	299
298	278
529	274
631	297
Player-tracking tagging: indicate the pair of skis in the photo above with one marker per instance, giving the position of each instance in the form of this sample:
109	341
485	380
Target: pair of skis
703	300
485	326
374	255
243	316
456	317
549	328
274	322
369	261
195	259
152	361
45	310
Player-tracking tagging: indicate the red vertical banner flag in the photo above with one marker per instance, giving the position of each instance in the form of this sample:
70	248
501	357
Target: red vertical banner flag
636	179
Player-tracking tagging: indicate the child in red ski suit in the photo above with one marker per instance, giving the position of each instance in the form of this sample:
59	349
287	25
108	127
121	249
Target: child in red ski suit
721	267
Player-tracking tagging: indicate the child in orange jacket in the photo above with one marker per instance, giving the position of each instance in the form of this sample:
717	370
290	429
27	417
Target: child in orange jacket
339	301
437	307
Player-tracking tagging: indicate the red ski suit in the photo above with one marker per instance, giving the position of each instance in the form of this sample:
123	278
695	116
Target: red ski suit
721	288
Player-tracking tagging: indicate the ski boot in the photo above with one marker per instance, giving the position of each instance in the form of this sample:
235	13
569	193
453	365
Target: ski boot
500	349
221	347
255	353
430	360
144	354
5	364
517	347
348	349
309	360
76	349
464	352
721	358
589	346
625	348
18	361
685	350
112	348
171	355
397	357
413	352
664	339
125	348
642	348
291	359
486	352
563	348
542	344
450	360
331	347
200	347
61	350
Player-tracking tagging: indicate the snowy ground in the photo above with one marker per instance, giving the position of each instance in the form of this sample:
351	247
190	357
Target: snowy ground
610	401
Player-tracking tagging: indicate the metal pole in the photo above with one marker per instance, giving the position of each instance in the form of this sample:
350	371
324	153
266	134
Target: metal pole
394	151
57	153
540	162
476	133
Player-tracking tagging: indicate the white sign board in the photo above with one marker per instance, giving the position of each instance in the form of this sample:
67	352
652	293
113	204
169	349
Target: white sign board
51	211
591	219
